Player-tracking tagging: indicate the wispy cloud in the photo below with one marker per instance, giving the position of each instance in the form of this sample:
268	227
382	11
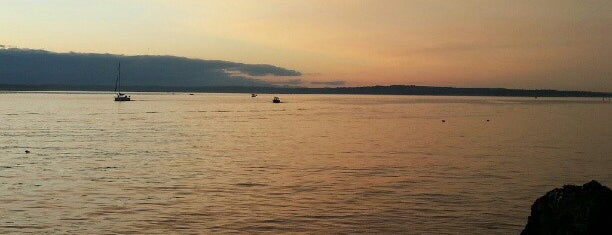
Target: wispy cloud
330	83
263	70
290	82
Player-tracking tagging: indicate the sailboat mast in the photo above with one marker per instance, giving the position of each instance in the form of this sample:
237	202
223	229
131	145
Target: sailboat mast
117	81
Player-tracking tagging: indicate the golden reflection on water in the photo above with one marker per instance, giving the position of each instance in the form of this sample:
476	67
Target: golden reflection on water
217	163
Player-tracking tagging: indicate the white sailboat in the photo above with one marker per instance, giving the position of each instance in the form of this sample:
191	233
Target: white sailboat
120	96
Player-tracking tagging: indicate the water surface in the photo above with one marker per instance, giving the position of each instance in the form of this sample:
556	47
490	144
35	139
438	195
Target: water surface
224	163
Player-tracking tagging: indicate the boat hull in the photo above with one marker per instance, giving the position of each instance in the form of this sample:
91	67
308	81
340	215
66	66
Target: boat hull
122	99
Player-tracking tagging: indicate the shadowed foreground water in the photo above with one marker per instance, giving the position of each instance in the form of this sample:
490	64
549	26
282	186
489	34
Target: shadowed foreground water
217	163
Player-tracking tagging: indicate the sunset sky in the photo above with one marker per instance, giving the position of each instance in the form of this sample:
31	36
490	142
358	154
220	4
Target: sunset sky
555	44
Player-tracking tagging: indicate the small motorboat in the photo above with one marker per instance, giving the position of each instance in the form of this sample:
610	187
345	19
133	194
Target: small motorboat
276	100
122	97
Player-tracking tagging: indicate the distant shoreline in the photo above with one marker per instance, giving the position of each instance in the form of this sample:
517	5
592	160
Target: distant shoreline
370	90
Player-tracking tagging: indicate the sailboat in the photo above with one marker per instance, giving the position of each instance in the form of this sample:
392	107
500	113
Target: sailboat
120	96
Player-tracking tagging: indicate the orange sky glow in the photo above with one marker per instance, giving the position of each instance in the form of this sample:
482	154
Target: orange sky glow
548	44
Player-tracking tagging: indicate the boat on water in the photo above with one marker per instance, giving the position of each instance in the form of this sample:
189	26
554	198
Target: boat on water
120	96
276	100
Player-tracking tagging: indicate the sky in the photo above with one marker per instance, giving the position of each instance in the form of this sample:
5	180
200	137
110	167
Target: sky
545	44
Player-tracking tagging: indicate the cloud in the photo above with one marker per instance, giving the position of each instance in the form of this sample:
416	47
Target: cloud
291	82
39	67
330	83
263	70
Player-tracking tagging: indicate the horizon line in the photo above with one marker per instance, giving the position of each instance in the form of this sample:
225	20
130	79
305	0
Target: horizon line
387	90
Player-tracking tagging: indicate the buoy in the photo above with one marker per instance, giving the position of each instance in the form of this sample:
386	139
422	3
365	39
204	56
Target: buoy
27	151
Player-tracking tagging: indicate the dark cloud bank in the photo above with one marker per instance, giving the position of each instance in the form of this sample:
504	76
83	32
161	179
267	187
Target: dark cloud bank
38	70
39	67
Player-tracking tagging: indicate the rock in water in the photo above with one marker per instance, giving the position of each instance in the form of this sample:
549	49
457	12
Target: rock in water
585	209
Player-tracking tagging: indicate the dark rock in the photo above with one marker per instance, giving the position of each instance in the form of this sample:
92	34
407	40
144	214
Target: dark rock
585	209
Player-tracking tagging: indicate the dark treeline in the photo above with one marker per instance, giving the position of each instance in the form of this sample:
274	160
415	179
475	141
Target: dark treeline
371	90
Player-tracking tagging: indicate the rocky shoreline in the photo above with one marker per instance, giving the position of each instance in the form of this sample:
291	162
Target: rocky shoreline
573	209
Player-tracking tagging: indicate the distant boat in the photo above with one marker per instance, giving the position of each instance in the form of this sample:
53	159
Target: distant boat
276	100
253	95
120	96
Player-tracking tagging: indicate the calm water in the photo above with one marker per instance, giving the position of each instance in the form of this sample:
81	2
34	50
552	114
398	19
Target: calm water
224	163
